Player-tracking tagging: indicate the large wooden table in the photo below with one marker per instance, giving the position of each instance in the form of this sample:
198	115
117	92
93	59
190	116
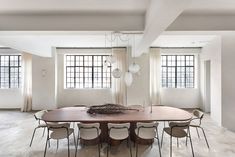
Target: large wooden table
79	114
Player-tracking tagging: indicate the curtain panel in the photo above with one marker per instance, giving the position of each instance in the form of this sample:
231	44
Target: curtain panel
27	82
155	76
118	84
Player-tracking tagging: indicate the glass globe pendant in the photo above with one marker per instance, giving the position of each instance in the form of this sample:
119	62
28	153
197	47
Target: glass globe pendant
117	73
128	78
134	68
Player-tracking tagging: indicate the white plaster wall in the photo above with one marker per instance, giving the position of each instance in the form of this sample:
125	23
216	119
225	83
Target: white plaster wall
43	85
138	92
10	98
212	52
228	85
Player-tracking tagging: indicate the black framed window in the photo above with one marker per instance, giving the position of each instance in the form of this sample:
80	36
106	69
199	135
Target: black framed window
87	71
178	71
10	71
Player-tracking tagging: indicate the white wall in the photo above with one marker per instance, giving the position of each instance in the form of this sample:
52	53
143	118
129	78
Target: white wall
138	92
182	98
10	98
212	52
228	85
43	83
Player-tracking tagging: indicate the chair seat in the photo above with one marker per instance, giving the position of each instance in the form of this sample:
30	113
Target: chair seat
89	134
119	134
61	133
145	133
176	132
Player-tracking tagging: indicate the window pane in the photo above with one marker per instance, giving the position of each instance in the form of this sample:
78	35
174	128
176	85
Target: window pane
10	71
88	72
177	71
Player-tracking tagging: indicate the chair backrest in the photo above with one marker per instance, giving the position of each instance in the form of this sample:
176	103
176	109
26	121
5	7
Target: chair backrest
146	130
38	115
118	131
198	114
180	125
89	131
118	125
53	126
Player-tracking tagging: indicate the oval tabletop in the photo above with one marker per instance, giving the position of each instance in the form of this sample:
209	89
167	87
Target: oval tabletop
79	114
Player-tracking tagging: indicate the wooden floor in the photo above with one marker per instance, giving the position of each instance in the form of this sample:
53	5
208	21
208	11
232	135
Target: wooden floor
16	130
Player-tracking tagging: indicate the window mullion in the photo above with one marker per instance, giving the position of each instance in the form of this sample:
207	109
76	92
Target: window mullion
9	72
167	72
102	82
175	71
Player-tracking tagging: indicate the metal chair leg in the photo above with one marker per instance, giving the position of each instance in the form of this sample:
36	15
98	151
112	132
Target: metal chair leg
159	148
158	144
74	140
170	146
57	144
33	136
68	147
191	143
177	142
99	147
129	143
162	138
136	148
197	133
108	150
205	137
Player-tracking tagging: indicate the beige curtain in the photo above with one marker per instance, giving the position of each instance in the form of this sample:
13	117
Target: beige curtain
27	82
118	84
155	76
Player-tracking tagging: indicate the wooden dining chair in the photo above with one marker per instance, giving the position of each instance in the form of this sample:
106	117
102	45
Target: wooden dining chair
147	131
41	124
89	131
119	131
58	132
178	130
196	123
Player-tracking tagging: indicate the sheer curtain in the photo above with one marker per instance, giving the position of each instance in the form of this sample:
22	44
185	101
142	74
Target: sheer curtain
27	82
118	84
155	76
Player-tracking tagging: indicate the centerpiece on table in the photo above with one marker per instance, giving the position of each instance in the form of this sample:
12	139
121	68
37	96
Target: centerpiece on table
108	109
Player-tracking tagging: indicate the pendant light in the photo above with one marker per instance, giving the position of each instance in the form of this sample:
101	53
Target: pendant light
117	73
128	78
134	67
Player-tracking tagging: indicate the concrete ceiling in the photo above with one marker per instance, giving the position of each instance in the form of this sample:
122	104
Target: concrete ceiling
72	6
152	17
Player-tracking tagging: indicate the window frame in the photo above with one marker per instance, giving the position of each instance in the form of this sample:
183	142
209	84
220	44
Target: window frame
83	66
176	72
19	71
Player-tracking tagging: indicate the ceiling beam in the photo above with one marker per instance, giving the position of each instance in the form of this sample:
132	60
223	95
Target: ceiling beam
72	22
203	22
160	14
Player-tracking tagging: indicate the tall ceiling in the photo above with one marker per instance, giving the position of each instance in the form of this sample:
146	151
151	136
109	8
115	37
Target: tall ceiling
57	22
